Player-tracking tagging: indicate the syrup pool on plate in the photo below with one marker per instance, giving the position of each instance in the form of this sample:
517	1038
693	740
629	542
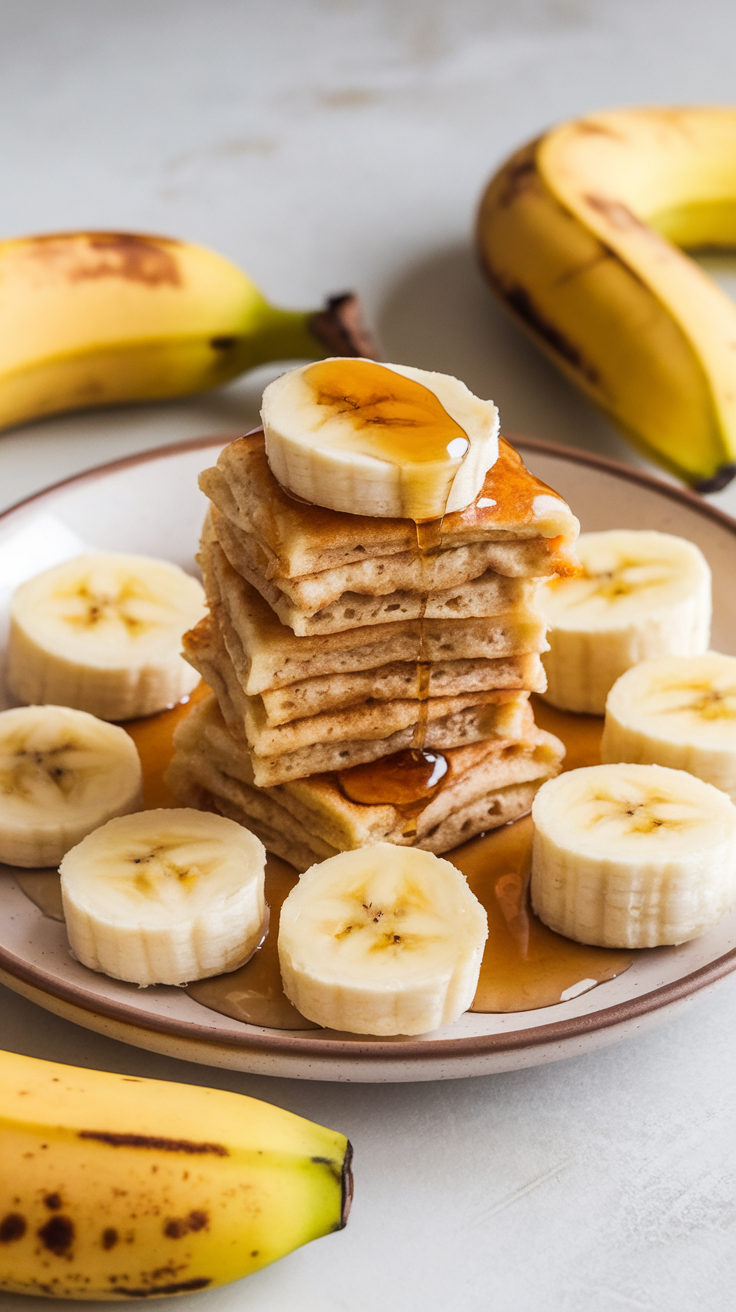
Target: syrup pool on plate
525	965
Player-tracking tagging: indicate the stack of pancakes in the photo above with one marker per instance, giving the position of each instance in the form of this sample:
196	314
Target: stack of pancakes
334	640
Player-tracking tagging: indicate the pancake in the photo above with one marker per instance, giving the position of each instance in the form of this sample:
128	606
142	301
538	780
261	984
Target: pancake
387	683
487	597
335	740
268	654
399	680
365	718
287	839
487	783
297	538
407	571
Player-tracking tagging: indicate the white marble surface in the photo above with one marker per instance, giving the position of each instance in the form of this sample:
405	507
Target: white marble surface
325	144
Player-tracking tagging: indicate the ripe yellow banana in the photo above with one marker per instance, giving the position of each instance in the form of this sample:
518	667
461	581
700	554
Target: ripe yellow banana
577	234
121	1188
98	318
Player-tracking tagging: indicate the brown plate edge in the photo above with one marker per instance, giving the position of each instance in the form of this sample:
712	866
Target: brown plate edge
561	1031
440	1049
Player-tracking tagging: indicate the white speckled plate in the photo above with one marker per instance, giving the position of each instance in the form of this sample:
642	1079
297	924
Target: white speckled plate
151	504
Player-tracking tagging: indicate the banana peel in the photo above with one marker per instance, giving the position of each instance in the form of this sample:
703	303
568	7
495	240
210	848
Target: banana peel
101	318
120	1188
580	235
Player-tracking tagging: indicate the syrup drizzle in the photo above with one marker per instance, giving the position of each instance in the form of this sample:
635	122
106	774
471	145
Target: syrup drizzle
410	779
429	543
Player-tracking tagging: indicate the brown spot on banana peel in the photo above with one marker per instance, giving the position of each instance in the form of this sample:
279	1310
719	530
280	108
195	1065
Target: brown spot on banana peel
57	1235
517	175
153	1291
619	216
132	257
12	1227
521	303
178	1226
585	127
154	1141
616	212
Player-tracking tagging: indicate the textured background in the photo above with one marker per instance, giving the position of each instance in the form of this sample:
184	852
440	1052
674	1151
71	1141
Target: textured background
325	144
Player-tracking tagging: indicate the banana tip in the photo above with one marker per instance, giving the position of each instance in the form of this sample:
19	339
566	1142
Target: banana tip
347	1185
719	480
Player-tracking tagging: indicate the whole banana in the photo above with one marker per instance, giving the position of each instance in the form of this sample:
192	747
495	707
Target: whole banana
579	234
99	318
121	1188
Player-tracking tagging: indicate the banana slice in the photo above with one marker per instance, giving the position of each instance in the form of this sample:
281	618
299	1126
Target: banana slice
103	633
62	773
632	856
641	595
382	440
164	897
679	711
382	940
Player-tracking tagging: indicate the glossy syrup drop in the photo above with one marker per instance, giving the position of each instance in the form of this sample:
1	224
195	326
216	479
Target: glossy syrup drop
407	780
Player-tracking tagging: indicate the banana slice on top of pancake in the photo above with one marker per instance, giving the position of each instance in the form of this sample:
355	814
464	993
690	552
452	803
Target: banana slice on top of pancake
377	439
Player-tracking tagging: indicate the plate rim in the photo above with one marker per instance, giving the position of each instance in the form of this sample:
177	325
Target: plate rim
285	1042
574	454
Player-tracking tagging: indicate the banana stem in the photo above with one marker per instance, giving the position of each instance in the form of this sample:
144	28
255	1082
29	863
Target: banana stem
337	329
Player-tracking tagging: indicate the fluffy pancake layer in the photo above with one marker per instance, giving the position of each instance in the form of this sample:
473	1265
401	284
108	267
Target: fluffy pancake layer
268	655
334	740
488	783
488	596
332	636
297	539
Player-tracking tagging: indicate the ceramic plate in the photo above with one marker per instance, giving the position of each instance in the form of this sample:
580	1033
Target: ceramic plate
150	504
